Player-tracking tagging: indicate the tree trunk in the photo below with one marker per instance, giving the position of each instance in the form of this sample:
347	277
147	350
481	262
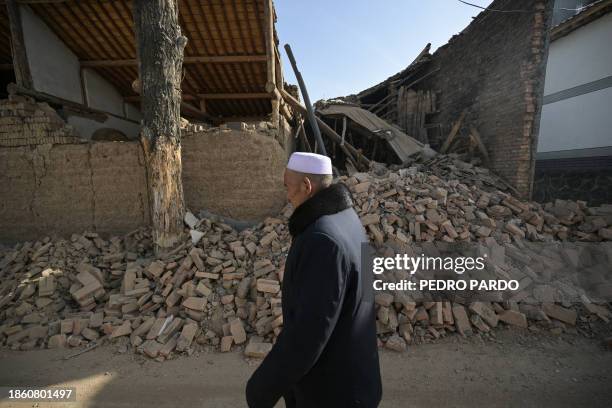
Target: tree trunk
160	47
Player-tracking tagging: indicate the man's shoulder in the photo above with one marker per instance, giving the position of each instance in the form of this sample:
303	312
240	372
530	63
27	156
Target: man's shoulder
343	228
342	220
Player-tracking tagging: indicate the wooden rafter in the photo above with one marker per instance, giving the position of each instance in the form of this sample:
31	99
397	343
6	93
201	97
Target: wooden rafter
252	95
224	59
226	53
217	96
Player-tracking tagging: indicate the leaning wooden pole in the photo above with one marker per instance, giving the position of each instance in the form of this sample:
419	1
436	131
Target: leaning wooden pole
160	46
310	111
21	66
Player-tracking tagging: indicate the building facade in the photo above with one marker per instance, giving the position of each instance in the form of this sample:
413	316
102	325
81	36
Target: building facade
574	154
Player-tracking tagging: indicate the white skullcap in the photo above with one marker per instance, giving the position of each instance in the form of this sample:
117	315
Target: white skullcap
310	163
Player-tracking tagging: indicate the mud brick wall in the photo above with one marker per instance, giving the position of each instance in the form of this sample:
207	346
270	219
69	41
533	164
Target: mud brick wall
24	122
61	189
495	70
234	173
48	190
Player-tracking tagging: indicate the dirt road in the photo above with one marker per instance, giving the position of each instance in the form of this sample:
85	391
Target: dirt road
519	370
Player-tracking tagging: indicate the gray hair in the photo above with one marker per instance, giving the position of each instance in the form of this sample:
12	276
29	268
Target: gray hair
320	180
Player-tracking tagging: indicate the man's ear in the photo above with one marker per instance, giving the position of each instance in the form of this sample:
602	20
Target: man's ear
307	185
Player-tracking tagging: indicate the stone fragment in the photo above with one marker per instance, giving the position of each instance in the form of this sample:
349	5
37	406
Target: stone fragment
186	337
90	334
122	330
462	323
195	303
513	318
257	350
237	331
560	313
190	220
384	299
485	312
268	286
226	343
396	343
155	269
57	341
151	348
46	286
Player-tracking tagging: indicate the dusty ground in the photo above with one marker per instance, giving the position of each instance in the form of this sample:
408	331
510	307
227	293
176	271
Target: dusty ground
519	369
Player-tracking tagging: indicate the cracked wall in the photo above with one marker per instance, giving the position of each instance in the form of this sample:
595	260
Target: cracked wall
61	189
234	173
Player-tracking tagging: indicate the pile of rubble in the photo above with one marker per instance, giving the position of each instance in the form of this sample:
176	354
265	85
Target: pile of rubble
212	289
409	210
23	121
220	289
422	206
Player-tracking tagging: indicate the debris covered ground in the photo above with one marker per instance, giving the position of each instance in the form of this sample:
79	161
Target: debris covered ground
220	289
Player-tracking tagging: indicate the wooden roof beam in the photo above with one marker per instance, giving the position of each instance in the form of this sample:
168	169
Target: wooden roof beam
35	1
216	96
187	60
271	84
256	95
18	50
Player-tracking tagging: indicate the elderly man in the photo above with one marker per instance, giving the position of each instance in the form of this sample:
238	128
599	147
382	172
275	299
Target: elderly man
326	355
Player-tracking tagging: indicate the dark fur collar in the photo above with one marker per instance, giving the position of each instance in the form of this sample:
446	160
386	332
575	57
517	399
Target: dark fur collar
331	200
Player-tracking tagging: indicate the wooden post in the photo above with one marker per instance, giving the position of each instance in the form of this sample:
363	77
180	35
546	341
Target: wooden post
271	84
348	149
160	46
21	67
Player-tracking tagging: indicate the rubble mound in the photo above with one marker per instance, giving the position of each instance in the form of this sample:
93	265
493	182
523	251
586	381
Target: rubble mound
221	288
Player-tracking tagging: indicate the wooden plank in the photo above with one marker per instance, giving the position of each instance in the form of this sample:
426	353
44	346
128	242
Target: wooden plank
271	85
36	1
475	137
268	25
23	76
376	107
187	108
256	95
202	59
453	133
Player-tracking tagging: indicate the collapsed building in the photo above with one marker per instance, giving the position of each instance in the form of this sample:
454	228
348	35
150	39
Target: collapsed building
485	84
70	156
70	161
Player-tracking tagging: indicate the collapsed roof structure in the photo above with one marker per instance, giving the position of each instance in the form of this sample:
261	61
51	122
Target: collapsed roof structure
482	91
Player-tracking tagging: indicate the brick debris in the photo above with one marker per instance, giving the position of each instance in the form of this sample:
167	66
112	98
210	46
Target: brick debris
221	288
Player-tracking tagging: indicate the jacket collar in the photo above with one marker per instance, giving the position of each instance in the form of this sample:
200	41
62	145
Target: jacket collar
330	200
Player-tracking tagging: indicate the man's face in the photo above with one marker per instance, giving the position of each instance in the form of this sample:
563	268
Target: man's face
299	188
